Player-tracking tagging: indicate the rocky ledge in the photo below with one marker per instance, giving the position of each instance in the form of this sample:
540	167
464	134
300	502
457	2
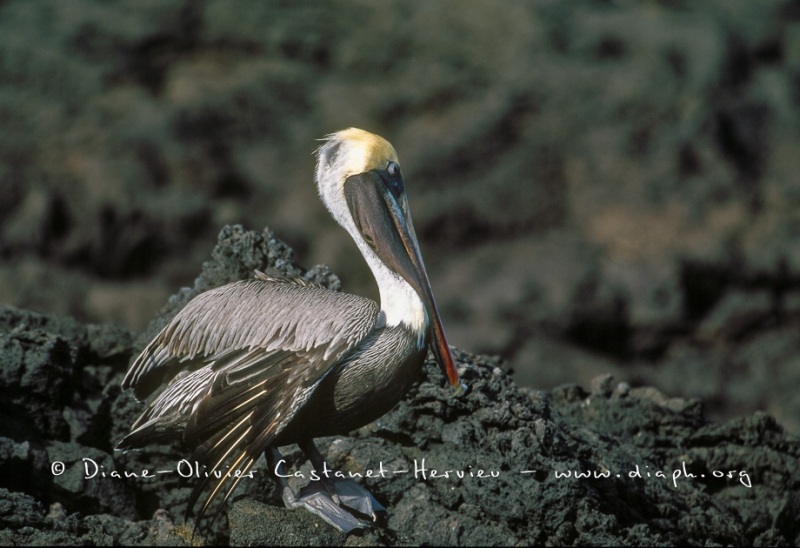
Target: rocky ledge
606	464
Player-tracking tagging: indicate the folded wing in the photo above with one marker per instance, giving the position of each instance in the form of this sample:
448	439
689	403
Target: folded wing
240	361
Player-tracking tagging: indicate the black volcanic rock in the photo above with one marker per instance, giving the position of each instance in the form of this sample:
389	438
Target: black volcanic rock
613	464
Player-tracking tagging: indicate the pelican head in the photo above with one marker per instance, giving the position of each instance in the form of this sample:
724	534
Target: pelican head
359	180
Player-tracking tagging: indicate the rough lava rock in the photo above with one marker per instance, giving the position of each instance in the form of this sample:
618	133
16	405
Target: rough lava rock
500	465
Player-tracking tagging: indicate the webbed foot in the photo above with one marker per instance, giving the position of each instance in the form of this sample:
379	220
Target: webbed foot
315	498
338	501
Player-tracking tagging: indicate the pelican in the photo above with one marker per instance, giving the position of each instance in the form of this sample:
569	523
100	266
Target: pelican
267	362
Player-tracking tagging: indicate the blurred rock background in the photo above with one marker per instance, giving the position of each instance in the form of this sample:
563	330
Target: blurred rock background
598	186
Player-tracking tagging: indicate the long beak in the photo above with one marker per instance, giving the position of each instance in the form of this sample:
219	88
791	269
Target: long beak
383	220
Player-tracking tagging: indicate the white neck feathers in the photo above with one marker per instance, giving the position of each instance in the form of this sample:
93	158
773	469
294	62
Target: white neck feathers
347	153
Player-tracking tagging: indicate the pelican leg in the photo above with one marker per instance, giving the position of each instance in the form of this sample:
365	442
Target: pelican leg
313	497
343	491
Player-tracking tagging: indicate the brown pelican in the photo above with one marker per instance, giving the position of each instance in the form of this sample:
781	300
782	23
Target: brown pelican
267	362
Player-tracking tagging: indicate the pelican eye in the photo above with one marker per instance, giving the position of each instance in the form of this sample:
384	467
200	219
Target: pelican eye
394	179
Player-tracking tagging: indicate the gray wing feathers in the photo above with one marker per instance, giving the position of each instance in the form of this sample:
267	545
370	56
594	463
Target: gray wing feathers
252	314
167	414
253	353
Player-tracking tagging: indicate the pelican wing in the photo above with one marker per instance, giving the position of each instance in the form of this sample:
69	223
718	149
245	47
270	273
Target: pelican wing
248	405
259	315
255	351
